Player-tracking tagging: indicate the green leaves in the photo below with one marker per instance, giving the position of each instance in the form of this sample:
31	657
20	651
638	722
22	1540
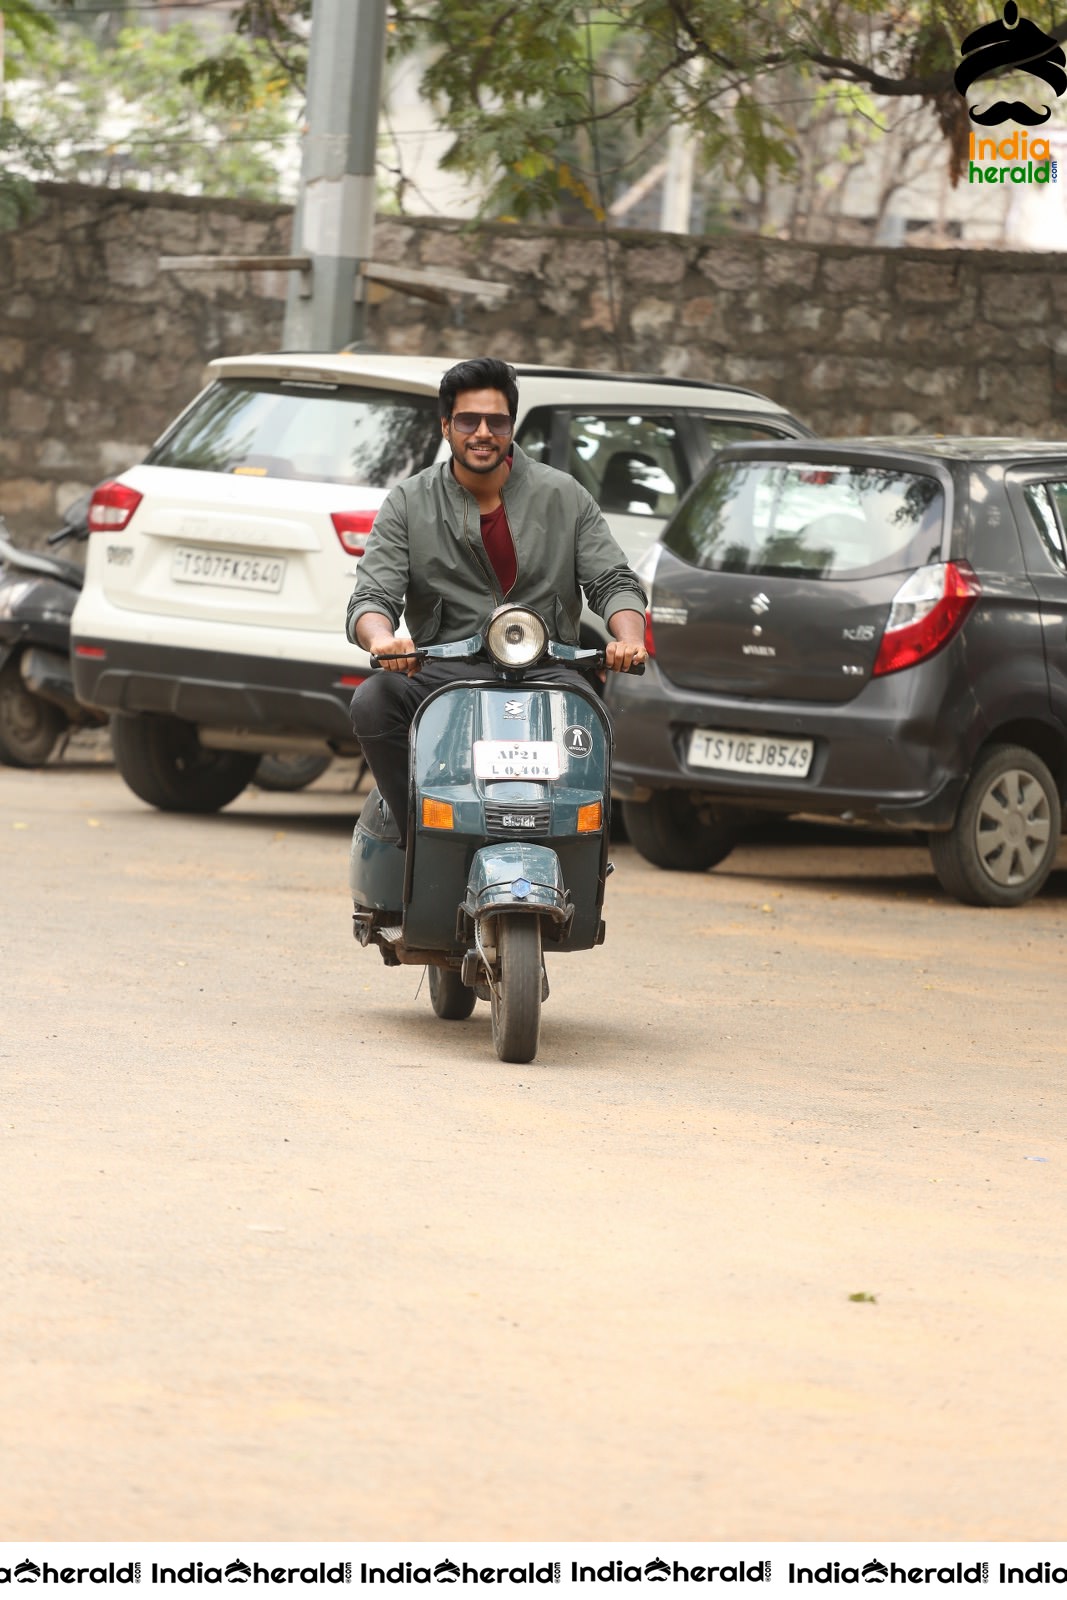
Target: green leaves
23	19
226	79
553	108
141	116
595	90
17	197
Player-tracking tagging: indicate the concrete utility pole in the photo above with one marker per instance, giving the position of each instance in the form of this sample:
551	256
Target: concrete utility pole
334	220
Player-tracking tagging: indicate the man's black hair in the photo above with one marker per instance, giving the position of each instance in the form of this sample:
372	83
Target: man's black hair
482	372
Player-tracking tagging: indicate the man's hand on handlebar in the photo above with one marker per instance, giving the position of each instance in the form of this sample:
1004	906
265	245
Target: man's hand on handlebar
621	655
395	655
626	652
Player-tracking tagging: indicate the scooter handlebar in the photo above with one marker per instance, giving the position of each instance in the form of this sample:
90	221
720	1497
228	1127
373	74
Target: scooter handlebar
588	658
407	655
634	670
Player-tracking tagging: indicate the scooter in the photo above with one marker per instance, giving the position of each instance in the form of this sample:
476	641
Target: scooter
38	593
508	828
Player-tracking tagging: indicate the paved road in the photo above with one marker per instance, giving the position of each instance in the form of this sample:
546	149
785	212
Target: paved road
287	1258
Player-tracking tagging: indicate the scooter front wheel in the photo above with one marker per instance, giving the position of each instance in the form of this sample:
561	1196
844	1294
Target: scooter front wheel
517	992
449	995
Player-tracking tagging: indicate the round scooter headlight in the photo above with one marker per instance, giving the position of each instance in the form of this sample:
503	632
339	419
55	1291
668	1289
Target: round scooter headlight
516	637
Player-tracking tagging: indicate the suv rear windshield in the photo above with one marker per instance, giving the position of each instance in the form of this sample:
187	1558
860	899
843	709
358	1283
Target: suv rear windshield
319	432
814	520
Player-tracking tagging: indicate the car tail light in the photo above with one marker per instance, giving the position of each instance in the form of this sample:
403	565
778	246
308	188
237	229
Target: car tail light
111	507
352	529
650	643
927	610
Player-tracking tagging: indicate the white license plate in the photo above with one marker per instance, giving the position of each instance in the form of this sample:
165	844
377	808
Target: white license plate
750	752
224	570
533	760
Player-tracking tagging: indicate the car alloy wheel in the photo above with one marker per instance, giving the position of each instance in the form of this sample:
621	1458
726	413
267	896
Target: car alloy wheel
1003	844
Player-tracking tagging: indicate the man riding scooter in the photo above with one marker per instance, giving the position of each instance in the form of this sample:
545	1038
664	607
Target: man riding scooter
455	541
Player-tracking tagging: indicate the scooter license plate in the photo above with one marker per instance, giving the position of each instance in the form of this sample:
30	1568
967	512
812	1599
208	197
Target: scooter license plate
532	760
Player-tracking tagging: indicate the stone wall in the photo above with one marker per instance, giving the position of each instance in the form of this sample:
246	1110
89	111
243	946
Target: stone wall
99	348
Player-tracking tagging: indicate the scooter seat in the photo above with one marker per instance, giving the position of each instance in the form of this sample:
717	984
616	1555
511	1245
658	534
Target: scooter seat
45	566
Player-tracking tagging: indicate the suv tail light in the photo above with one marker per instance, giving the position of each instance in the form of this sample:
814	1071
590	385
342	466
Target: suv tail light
111	507
352	528
650	643
927	610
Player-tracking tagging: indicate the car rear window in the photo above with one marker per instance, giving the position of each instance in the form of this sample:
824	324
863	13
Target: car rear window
321	433
815	520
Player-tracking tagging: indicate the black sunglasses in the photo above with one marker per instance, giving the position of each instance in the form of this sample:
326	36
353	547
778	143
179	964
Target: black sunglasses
498	422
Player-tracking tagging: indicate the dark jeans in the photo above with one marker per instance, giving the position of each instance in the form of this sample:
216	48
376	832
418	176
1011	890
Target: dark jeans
385	704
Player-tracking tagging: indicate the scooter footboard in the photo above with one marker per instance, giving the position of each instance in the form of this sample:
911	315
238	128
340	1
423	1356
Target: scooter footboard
518	877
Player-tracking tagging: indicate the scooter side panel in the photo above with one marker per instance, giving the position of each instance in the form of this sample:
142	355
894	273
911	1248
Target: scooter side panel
376	866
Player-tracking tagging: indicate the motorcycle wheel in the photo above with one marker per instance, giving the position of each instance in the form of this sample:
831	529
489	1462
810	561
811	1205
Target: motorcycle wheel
164	763
449	996
29	726
516	1000
283	774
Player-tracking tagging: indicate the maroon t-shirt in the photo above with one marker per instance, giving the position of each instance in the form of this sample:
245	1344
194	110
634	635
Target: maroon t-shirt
496	537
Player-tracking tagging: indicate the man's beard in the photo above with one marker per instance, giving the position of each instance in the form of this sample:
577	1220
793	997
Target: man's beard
479	466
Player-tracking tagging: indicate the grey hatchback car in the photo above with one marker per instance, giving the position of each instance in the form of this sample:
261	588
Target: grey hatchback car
870	630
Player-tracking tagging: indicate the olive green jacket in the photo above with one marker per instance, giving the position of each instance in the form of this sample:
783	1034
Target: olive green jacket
425	556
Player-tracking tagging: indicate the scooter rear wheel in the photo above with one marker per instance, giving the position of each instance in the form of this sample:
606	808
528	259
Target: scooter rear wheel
449	995
517	993
29	726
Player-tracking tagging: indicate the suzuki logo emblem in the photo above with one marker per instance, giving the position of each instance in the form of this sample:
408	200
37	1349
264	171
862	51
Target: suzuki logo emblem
760	604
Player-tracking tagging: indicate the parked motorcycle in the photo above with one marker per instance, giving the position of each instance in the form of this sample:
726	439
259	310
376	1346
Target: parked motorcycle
37	597
38	593
508	828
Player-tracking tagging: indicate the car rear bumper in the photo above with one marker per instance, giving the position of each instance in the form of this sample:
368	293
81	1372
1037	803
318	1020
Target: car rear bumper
244	695
884	756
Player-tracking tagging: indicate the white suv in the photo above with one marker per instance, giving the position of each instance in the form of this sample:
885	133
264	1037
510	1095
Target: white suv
211	624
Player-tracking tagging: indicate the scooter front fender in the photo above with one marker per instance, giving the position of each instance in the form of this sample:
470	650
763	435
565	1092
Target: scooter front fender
517	877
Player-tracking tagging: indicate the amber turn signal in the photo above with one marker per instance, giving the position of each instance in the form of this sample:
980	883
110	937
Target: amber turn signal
591	818
436	813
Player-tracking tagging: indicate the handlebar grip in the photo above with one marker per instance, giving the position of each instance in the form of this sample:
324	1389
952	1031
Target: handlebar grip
636	669
406	655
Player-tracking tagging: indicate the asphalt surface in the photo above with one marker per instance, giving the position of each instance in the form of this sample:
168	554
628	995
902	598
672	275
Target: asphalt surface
767	1244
